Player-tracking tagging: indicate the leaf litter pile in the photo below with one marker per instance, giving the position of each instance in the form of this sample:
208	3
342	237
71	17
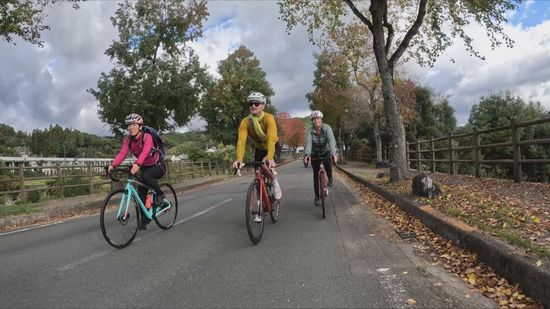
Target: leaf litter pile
518	213
442	252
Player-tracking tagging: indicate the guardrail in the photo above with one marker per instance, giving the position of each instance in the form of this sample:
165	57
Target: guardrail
56	179
452	150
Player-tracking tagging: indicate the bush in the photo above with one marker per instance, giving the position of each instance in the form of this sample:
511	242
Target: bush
33	197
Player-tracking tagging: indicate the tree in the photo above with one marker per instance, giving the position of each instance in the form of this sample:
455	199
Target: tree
156	72
225	106
331	89
25	19
498	110
402	23
293	131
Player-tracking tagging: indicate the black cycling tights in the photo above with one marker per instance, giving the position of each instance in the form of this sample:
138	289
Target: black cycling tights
149	175
316	165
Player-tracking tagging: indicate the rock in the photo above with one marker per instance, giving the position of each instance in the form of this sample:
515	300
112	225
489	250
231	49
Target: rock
424	186
381	175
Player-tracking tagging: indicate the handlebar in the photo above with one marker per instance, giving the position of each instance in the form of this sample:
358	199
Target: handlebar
309	158
263	168
117	169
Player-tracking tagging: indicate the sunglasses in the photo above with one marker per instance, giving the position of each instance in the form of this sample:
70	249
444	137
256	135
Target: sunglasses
254	103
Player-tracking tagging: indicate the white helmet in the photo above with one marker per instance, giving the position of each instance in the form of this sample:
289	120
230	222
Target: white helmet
256	97
316	114
134	118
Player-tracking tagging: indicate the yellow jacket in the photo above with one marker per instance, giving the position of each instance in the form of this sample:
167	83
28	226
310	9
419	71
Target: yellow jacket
246	129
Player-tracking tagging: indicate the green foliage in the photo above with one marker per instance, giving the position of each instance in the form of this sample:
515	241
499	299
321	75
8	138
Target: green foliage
418	29
331	86
225	106
6	175
71	177
433	119
58	142
11	142
33	197
25	19
157	74
423	40
498	110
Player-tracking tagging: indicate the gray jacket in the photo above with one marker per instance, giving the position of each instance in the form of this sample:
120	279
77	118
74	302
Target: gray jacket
320	146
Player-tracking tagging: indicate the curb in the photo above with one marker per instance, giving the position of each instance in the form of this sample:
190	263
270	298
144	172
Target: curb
18	221
500	256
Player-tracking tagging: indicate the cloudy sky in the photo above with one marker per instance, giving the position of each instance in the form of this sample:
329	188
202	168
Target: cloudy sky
43	86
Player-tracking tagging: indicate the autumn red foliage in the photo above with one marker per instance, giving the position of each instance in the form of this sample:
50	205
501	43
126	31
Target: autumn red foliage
292	130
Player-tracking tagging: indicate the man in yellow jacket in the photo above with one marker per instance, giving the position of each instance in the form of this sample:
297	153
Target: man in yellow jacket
261	128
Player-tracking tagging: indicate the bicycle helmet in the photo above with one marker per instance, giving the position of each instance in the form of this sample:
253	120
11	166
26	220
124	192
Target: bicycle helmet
316	114
134	118
256	97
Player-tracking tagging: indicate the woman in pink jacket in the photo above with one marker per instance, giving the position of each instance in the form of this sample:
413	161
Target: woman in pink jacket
148	160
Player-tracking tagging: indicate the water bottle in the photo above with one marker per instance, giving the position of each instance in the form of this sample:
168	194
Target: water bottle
149	200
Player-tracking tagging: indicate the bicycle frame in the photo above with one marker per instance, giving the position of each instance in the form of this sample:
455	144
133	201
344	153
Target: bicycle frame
260	175
131	191
322	173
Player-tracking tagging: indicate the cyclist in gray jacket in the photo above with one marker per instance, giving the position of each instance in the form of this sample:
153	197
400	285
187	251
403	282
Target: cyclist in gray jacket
321	146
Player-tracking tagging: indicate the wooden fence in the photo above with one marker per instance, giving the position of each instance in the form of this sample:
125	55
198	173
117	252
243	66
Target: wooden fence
90	176
451	149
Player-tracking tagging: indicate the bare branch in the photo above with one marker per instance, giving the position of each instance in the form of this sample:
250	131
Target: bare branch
410	34
388	26
357	13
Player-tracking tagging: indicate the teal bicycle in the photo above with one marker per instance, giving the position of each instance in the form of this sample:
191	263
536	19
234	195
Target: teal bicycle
120	215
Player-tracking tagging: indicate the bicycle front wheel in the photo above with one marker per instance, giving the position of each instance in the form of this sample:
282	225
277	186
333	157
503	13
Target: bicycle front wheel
119	219
254	213
166	214
322	191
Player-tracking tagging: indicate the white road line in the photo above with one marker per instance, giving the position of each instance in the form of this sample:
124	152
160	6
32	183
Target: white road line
205	211
31	228
102	253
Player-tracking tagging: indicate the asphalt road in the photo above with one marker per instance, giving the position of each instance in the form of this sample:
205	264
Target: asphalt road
349	259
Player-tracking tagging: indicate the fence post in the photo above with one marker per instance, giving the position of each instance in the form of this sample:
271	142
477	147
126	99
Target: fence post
516	151
217	168
451	155
91	176
210	167
477	153
202	169
418	165
167	166
60	179
432	155
192	169
407	154
22	192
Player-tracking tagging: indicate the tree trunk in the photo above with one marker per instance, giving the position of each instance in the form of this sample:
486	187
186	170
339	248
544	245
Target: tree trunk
399	169
378	141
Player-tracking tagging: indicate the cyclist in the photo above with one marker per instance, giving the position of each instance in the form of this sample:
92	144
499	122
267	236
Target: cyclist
260	126
148	161
320	145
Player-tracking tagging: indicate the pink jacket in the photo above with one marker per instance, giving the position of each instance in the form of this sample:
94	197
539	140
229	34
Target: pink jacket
141	147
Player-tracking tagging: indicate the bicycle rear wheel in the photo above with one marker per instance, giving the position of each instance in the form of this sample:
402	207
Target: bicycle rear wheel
165	215
322	190
275	207
119	224
254	210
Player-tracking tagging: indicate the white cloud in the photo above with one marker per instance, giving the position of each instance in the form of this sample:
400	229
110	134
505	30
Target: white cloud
524	69
43	86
